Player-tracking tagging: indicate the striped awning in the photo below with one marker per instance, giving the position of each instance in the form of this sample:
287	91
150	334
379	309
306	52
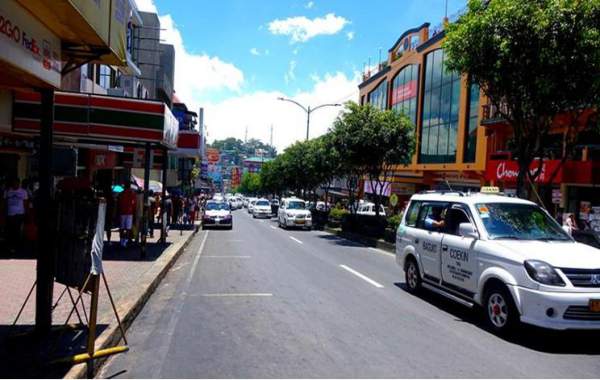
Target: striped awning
108	119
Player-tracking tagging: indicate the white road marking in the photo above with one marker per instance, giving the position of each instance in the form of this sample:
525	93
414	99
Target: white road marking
296	240
357	274
237	295
273	227
227	257
175	312
382	252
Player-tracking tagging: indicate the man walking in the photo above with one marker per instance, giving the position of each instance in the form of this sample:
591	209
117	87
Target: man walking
15	197
127	207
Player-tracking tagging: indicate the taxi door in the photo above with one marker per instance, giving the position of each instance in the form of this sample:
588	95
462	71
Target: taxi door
459	259
428	242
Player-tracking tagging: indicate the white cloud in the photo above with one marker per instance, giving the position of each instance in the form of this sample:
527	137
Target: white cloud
310	4
254	51
146	6
350	36
259	110
302	29
197	73
290	75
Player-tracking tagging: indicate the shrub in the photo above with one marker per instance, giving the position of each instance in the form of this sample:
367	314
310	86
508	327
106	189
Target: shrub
394	221
338	213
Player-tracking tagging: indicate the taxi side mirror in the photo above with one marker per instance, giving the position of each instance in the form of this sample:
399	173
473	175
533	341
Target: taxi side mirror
468	230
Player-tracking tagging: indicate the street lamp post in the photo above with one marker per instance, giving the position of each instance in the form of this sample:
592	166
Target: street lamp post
309	110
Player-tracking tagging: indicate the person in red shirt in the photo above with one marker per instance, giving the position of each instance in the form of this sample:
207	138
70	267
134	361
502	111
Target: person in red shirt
127	207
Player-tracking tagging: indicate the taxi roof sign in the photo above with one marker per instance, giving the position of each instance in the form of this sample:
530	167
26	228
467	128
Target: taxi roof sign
490	190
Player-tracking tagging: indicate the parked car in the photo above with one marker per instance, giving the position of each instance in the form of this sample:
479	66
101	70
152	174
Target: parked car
368	208
505	254
217	214
251	204
261	209
293	213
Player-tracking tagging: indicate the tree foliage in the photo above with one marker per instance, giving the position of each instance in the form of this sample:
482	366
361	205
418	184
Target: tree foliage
373	142
533	59
250	184
242	149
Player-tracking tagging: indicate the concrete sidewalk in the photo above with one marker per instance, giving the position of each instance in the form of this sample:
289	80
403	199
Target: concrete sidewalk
131	280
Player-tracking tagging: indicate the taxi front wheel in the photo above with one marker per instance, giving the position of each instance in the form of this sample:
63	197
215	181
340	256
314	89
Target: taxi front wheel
501	315
413	277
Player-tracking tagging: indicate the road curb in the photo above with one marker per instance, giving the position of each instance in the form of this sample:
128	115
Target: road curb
376	243
130	306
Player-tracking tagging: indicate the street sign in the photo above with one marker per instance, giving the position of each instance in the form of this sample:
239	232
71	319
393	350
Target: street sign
393	200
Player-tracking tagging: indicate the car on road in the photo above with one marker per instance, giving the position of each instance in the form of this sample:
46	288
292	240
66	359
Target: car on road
217	214
251	203
293	213
368	208
504	254
262	209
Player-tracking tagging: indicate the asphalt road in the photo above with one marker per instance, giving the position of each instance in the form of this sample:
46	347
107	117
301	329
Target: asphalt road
262	302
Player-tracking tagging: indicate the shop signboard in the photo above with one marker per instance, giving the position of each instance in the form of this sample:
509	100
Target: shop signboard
99	159
508	171
25	43
404	92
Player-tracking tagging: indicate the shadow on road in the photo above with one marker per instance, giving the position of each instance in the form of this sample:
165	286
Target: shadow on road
534	338
340	241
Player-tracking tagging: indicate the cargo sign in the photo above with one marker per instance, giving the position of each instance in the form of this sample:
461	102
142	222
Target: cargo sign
27	44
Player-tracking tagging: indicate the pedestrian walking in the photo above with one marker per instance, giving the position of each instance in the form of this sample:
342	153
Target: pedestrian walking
127	208
16	199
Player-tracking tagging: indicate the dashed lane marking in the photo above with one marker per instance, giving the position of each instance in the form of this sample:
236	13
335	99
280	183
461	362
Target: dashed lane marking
296	240
362	276
237	295
382	251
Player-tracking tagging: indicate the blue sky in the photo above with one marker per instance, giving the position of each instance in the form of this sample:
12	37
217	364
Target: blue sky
234	57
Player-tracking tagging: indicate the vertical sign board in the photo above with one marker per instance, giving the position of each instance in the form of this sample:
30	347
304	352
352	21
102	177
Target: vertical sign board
139	156
27	44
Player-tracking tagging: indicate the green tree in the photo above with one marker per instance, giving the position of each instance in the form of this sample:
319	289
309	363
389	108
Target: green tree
372	142
533	59
240	149
249	184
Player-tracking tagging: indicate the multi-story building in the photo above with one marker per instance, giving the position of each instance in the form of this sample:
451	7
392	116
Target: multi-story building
451	145
462	142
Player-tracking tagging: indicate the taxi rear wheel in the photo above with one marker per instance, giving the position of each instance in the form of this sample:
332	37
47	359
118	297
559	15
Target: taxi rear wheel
413	277
500	312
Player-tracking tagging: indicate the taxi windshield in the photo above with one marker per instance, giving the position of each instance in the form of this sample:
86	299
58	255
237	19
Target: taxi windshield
517	221
217	206
262	203
296	205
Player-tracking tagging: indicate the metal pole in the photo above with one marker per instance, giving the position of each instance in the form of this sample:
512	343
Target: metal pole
147	156
45	254
91	341
307	122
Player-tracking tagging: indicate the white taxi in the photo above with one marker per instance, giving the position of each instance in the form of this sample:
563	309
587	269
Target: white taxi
293	213
505	254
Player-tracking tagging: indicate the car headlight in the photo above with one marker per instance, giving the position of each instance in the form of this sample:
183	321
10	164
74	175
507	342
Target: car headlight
543	273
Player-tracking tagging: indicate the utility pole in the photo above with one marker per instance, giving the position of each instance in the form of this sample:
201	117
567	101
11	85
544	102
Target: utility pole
271	138
246	135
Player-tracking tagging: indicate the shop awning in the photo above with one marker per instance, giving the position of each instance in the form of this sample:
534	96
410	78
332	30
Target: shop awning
99	118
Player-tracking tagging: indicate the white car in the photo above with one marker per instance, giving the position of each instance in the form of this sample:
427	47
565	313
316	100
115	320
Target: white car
369	209
293	213
217	214
251	203
505	254
262	209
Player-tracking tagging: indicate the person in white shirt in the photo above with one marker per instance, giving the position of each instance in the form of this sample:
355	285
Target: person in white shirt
15	198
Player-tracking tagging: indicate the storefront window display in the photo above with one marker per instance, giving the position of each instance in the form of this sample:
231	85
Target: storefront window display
405	90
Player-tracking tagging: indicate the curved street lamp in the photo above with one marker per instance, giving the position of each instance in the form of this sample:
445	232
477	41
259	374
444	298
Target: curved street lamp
308	110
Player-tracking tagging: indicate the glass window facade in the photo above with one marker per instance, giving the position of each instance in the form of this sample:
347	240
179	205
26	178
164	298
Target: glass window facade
441	97
378	97
405	90
472	123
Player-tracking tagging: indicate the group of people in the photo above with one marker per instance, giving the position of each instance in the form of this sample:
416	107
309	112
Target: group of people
178	209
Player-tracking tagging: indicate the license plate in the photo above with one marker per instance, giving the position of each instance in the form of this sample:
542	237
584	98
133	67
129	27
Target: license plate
217	220
595	306
299	221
